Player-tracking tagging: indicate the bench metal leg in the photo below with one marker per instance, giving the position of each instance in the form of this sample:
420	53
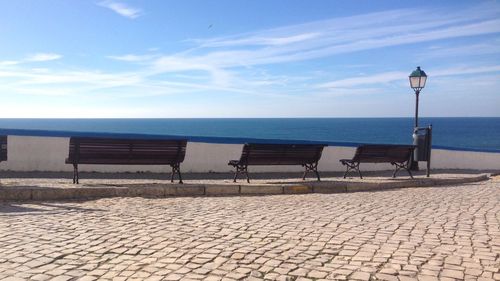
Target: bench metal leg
409	172
241	169
352	166
75	174
399	167
311	168
235	175
176	169
396	170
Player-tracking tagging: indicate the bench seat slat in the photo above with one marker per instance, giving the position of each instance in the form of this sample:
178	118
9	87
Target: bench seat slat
306	155
397	155
280	154
83	150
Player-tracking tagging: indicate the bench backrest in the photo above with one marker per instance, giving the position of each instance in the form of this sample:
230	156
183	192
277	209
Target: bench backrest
383	153
3	148
281	154
125	151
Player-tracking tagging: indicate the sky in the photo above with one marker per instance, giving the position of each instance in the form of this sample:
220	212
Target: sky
242	58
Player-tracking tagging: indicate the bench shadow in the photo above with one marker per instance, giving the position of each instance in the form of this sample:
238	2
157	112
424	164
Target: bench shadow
30	207
6	208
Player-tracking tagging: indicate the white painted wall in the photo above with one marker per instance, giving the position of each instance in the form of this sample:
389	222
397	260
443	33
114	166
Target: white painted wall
49	154
451	159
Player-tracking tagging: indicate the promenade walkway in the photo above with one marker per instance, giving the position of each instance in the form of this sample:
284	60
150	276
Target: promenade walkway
445	233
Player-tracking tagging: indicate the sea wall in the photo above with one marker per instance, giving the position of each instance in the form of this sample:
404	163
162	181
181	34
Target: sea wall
48	153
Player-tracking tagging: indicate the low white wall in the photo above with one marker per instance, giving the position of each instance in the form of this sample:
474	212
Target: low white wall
452	159
49	154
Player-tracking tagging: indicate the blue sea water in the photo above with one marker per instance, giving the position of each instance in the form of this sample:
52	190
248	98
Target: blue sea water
460	132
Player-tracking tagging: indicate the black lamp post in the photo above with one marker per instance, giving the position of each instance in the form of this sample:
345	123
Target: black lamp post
417	83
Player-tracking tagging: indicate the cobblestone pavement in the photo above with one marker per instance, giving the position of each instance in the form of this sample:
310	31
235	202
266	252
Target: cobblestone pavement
445	233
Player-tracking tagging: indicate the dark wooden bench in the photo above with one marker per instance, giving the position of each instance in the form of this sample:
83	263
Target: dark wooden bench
397	155
3	148
83	150
306	155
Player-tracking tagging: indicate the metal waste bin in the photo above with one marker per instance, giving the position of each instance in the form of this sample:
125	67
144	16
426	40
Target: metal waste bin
3	148
422	140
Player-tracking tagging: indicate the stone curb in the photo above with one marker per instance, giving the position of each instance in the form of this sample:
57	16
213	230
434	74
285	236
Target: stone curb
21	193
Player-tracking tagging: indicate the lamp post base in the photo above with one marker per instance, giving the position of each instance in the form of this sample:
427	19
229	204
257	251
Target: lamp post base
414	164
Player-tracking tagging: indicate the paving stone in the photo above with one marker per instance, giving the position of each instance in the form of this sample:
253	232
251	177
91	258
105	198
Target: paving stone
238	256
427	278
61	278
41	277
407	278
236	275
173	277
360	276
92	278
212	278
317	274
386	277
452	274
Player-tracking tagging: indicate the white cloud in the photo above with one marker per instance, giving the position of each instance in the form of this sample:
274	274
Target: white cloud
387	77
43	57
363	80
9	62
132	58
122	9
464	70
263	40
179	64
39	57
464	50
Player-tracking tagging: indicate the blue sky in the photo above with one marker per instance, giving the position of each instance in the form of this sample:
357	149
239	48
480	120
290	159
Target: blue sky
263	58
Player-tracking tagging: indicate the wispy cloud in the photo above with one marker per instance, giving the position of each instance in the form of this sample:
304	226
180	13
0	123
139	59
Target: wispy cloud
387	77
464	70
39	57
43	57
364	80
132	58
259	40
122	9
9	62
464	50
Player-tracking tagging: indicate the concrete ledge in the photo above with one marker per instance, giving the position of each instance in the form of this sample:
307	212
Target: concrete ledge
18	194
170	190
222	189
261	189
51	194
146	191
89	191
190	190
297	189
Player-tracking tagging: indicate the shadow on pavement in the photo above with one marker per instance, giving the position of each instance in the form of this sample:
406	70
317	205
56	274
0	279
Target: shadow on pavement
43	208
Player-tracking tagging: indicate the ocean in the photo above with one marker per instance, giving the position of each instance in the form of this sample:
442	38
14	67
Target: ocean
459	132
